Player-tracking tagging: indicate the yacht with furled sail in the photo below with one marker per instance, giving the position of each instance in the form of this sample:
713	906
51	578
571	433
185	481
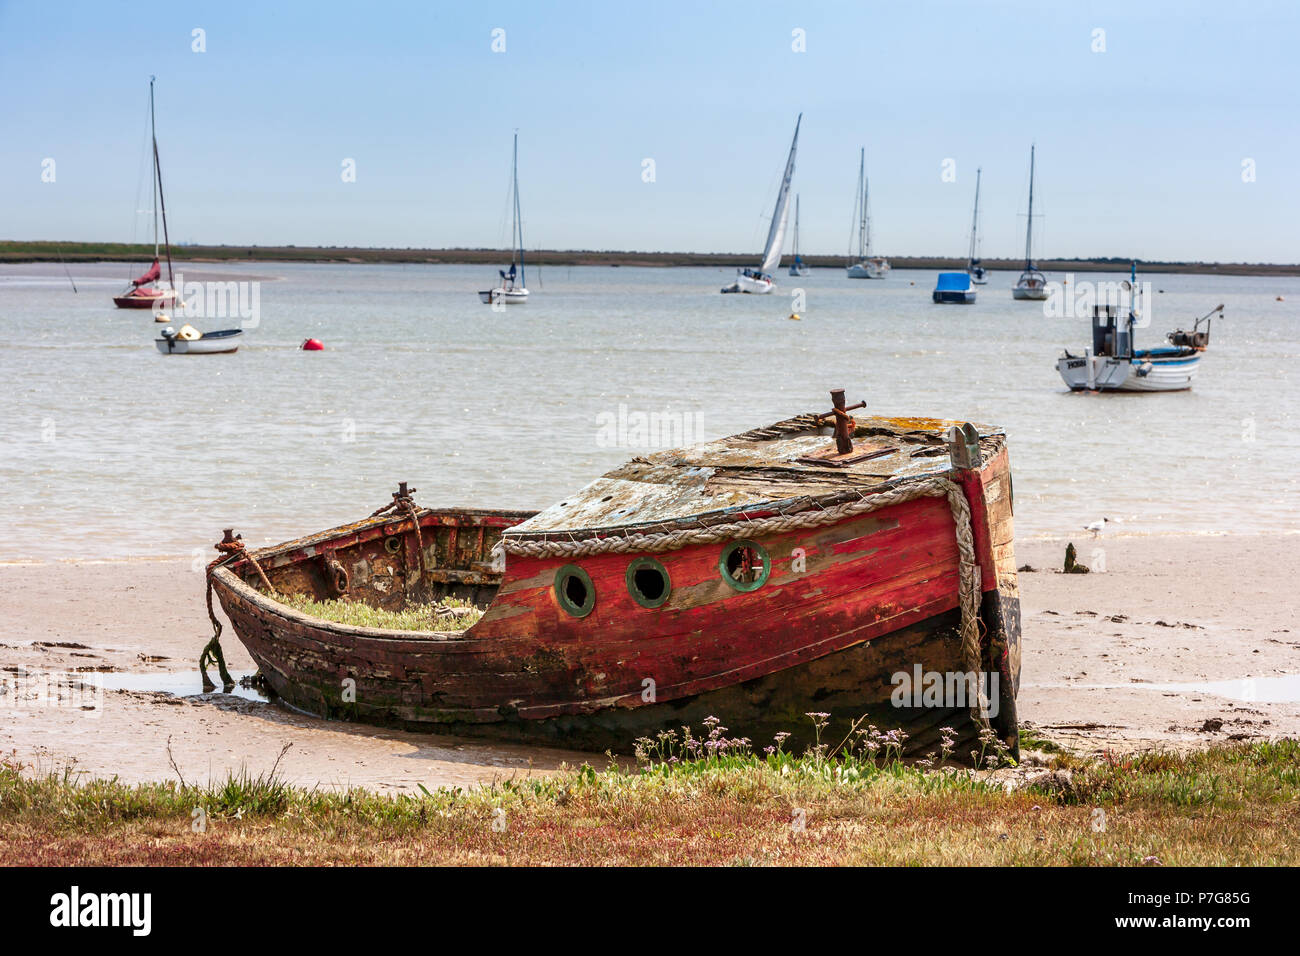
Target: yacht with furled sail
1032	284
145	291
978	274
759	281
867	266
798	267
512	290
1114	364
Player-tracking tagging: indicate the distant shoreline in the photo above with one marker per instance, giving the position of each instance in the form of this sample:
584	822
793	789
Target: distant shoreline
16	251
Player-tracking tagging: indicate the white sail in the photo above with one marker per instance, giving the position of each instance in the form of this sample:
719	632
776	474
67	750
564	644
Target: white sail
781	212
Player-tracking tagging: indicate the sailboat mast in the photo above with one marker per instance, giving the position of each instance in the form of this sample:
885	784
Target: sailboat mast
796	228
162	201
1029	229
518	231
862	210
153	180
974	220
866	214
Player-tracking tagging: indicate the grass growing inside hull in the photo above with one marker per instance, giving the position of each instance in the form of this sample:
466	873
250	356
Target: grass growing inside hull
448	615
1232	805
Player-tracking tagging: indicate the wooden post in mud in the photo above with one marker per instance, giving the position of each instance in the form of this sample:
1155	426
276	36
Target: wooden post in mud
1072	565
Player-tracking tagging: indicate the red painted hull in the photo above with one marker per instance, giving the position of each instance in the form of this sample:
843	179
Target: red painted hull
845	608
139	300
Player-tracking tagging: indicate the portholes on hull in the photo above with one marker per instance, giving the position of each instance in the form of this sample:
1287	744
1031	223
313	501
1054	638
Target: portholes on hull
648	582
745	565
574	590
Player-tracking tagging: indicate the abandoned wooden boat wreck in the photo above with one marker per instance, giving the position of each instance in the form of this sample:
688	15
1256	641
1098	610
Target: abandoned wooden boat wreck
815	565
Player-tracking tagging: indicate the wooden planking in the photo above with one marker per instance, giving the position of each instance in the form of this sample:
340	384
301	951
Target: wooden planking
866	581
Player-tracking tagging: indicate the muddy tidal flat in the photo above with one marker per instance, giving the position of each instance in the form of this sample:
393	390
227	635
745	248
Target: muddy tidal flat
1182	641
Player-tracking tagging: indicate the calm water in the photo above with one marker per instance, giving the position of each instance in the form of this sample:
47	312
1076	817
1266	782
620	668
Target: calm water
108	449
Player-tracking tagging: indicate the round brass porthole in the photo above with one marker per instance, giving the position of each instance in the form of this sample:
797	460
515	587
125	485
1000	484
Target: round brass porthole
648	582
574	590
393	545
745	565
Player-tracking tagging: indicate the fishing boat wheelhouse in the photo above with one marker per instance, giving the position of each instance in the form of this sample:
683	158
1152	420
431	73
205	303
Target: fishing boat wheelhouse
1115	364
810	565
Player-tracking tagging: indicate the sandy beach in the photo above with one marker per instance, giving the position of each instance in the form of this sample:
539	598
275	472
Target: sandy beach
1115	659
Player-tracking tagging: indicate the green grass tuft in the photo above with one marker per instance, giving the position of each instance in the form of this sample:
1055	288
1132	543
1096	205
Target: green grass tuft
420	617
691	800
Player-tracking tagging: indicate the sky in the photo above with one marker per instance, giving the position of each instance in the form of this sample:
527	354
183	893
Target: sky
1171	135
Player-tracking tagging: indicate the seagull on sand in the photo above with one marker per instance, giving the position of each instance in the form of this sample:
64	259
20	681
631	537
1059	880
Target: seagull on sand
1097	527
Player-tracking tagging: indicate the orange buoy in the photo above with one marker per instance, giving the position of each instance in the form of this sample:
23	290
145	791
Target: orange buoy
312	345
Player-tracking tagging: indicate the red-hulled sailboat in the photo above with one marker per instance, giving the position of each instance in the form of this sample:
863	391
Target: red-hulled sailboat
145	292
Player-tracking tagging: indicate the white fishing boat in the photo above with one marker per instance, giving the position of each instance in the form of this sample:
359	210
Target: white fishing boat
1032	284
978	274
1112	364
798	267
866	266
512	290
190	341
759	281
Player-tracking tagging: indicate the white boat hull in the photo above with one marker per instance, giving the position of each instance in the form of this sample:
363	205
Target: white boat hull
751	284
507	296
1104	373
1032	284
800	271
212	343
868	270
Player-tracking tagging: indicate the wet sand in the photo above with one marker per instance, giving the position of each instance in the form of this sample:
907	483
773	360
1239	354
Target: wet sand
1115	659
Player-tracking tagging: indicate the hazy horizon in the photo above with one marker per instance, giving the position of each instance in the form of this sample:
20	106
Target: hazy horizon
1140	147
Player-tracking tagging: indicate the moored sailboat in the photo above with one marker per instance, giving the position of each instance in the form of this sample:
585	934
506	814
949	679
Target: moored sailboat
513	290
145	291
759	281
1032	284
866	266
798	267
978	274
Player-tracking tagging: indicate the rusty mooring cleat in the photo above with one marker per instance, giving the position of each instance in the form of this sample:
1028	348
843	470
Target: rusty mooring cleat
845	451
230	542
